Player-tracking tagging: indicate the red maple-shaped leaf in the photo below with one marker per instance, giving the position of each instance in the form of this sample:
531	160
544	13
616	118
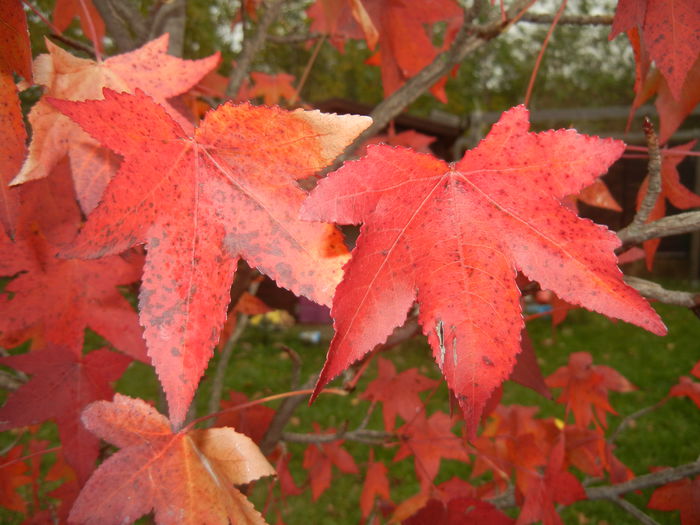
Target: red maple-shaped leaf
542	491
458	511
670	30
54	299
252	421
585	388
185	478
452	236
430	439
272	88
319	459
15	56
66	77
376	485
683	496
13	474
63	382
687	387
671	189
405	45
91	23
385	387
199	203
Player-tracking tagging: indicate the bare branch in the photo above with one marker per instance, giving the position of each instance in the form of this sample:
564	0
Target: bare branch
251	47
117	26
572	20
609	492
281	418
633	416
643	518
652	290
469	39
674	225
653	177
362	435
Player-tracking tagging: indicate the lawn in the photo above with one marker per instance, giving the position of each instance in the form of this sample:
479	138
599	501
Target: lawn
667	436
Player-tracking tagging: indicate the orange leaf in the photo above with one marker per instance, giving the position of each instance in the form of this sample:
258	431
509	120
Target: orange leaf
185	478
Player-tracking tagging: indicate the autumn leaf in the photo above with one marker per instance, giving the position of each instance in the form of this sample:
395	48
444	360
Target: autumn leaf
683	496
405	45
585	388
13	474
187	477
670	31
91	23
458	511
15	57
272	88
319	458
199	203
387	383
252	421
430	439
686	387
671	189
376	485
63	382
453	236
66	77
53	299
542	491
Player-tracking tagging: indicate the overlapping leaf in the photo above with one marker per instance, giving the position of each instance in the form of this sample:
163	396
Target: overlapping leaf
15	57
452	236
399	27
200	202
185	478
54	300
66	77
63	382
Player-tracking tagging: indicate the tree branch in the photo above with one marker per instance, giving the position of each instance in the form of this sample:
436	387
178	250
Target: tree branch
573	20
251	47
361	435
469	39
652	290
653	177
117	20
643	518
609	492
673	225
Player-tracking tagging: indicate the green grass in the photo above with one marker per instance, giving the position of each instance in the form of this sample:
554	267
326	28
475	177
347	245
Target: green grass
668	436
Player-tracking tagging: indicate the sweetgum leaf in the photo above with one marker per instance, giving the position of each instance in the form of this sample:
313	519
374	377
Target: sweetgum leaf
453	236
186	477
199	203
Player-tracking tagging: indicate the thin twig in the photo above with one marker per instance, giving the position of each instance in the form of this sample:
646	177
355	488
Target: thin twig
608	492
10	381
307	70
674	225
543	48
633	416
217	386
251	47
653	177
79	46
361	435
281	418
468	40
652	290
574	20
643	518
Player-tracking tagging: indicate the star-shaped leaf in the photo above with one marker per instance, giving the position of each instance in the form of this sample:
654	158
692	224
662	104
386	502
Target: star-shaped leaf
453	236
199	203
